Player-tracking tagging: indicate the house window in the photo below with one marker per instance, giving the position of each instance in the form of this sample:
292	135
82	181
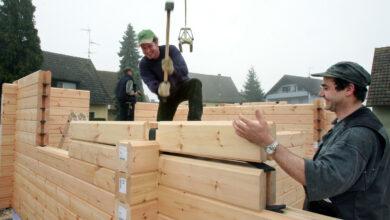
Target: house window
66	85
286	89
91	115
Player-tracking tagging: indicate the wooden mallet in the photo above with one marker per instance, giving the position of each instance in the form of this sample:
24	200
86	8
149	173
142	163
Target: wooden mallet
167	64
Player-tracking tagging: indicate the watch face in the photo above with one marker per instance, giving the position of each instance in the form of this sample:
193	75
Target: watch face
269	150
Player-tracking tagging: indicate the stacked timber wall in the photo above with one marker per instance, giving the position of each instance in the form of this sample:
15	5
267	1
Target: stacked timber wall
62	103
111	170
7	142
298	127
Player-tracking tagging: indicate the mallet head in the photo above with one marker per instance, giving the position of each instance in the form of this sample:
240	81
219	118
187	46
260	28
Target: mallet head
169	5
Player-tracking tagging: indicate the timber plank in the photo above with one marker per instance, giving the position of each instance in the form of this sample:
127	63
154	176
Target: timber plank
99	154
6	160
7	139
69	102
109	132
6	150
67	110
8	109
69	93
183	205
6	170
9	88
142	156
102	199
28	126
59	159
34	114
137	188
290	138
209	139
9	99
33	102
35	89
44	199
63	197
233	184
147	210
5	202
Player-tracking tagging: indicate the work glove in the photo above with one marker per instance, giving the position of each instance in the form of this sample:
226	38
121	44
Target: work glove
167	65
163	89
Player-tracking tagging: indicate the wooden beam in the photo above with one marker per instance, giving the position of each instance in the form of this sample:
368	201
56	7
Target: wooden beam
102	199
9	88
183	205
70	93
69	102
59	159
209	139
109	132
137	156
99	154
147	210
69	200
137	188
236	184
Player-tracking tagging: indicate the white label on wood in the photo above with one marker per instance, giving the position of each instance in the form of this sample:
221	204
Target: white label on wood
122	185
123	153
315	144
122	213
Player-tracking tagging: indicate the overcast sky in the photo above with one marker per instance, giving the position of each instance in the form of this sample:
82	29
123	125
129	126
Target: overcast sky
276	37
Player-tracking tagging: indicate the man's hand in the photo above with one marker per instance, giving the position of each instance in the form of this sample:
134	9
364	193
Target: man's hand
138	93
256	132
167	65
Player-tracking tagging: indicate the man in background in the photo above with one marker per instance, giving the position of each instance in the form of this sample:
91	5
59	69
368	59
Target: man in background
126	92
182	88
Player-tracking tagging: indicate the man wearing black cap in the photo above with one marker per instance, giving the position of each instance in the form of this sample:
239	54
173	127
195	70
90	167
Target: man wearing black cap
126	92
349	176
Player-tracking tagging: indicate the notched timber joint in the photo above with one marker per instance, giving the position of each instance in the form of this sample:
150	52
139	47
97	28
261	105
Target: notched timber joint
319	129
262	166
44	95
42	145
42	108
319	119
45	84
42	133
42	121
275	208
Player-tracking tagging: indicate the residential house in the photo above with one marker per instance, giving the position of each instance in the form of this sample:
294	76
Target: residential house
294	90
379	92
217	89
78	73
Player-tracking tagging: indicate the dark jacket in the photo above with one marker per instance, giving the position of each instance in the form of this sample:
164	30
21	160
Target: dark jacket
120	90
152	73
352	168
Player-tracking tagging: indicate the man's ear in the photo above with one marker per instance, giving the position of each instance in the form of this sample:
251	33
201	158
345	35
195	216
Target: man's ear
350	89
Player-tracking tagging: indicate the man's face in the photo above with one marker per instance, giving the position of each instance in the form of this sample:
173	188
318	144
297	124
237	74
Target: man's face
128	72
333	98
151	50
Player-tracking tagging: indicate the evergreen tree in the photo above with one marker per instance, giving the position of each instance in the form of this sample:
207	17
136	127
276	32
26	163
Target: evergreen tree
20	50
252	89
130	58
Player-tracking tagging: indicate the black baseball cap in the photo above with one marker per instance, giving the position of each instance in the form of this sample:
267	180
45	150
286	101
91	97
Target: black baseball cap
349	71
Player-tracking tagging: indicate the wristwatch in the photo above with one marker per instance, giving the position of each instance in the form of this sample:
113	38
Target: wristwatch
270	149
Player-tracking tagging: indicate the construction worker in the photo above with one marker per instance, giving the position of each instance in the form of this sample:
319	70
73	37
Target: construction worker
349	176
182	88
126	92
